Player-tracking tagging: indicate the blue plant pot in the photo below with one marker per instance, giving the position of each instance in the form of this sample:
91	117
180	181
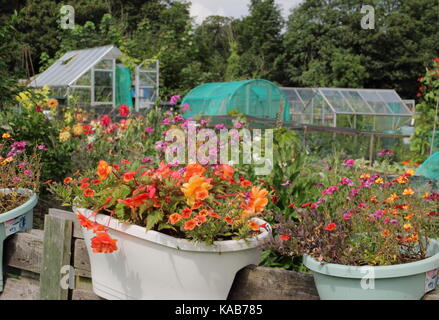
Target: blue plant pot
408	281
16	220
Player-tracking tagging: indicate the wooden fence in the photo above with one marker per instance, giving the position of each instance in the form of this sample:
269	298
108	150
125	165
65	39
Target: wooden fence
38	262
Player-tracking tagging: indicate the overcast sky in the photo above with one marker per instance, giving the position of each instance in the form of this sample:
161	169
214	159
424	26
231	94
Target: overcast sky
201	9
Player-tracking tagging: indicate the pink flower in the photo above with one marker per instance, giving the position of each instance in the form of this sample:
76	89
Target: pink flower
149	129
27	172
347	216
330	190
146	160
174	99
166	121
348	163
22	164
314	205
346	181
220	126
286	183
238	125
42	147
184	108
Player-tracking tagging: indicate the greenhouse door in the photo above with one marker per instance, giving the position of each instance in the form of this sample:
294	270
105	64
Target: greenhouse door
147	84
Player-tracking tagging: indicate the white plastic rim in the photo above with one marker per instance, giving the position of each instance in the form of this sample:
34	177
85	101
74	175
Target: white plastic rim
152	265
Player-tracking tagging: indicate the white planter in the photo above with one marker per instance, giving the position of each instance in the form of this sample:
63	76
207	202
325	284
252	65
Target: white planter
152	265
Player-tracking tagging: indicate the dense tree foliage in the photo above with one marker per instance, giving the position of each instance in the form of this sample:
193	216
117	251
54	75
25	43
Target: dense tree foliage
321	43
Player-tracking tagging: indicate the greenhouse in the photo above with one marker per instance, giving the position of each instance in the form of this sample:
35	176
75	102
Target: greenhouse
378	110
258	98
95	77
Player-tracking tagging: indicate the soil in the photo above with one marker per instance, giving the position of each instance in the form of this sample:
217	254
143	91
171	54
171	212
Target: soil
9	201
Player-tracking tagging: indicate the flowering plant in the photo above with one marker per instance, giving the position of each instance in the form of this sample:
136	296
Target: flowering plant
194	202
18	172
363	219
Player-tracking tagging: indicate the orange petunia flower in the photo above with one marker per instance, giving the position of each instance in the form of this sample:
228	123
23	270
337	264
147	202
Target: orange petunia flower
407	226
385	233
174	218
224	171
392	198
190	224
84	221
258	200
68	180
200	219
246	183
228	220
135	201
214	214
408	192
204	212
402	180
193	169
89	192
253	225
103	243
103	169
379	180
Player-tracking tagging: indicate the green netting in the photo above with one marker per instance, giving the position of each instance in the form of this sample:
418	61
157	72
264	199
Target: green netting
258	98
430	167
123	87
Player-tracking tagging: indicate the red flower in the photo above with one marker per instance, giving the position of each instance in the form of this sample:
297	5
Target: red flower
229	220
84	185
103	243
68	180
306	204
330	227
84	180
96	181
186	213
38	108
88	192
129	176
136	201
125	161
285	237
124	110
105	120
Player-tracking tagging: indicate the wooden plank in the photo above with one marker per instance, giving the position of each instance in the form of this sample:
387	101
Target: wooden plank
81	260
20	289
261	283
81	294
69	215
24	250
56	254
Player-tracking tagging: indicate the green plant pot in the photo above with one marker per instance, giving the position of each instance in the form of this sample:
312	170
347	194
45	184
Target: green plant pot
409	281
13	221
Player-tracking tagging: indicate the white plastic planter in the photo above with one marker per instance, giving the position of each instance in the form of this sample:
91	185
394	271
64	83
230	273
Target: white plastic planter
152	265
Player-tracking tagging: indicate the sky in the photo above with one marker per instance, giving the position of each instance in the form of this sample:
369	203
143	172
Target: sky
201	9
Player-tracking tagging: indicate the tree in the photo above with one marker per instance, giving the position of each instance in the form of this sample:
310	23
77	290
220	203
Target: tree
260	40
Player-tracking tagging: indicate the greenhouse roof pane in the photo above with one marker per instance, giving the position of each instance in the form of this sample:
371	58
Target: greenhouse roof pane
357	102
72	65
338	102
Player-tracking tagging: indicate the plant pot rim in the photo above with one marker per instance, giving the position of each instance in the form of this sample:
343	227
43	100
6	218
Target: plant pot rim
391	271
178	243
25	207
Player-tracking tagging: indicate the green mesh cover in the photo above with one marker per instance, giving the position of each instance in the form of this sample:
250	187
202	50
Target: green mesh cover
123	87
258	98
430	167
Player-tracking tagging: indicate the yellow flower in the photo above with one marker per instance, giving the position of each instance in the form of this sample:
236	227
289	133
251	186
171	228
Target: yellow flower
196	189
64	136
364	176
7	160
408	192
392	198
6	136
426	195
407	226
409	172
409	216
379	181
78	129
402	180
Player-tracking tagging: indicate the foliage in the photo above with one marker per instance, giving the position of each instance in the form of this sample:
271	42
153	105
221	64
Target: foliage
362	219
194	202
426	109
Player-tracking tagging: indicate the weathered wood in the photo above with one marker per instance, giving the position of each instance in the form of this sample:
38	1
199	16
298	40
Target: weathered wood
77	232
24	250
81	260
80	294
20	289
260	283
56	254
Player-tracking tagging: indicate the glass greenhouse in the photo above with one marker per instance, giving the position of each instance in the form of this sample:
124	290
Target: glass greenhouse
378	110
258	98
94	77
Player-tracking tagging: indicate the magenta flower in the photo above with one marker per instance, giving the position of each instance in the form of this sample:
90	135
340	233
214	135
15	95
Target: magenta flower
174	99
220	126
330	190
42	147
348	163
286	183
22	164
27	172
146	160
346	181
347	216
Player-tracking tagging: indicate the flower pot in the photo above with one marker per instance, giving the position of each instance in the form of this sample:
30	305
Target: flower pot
15	220
409	281
152	265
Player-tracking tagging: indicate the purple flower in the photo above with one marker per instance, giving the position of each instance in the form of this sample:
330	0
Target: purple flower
16	148
394	221
348	163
